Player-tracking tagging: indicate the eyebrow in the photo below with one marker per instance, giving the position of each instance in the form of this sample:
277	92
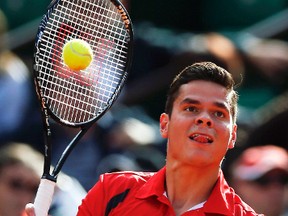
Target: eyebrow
196	102
190	101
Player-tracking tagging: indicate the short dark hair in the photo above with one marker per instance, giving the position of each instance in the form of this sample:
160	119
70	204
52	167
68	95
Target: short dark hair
203	71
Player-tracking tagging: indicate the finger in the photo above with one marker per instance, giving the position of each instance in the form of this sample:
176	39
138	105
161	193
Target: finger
29	209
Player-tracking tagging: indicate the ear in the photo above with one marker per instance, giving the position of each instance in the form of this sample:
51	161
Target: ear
164	120
234	137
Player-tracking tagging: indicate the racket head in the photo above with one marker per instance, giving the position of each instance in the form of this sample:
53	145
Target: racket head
76	98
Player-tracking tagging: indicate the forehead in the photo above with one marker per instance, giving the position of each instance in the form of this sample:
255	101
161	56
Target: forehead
18	170
202	90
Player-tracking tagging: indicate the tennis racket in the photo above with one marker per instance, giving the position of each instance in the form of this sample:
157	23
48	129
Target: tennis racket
78	98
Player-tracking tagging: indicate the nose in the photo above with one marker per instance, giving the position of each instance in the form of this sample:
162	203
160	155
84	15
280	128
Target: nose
204	120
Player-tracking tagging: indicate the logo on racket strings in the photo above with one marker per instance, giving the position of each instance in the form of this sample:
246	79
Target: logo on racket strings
124	16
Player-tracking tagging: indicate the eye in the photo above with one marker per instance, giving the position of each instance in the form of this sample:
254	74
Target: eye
192	109
219	114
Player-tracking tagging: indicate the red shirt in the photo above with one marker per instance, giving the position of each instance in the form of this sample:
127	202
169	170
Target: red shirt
139	194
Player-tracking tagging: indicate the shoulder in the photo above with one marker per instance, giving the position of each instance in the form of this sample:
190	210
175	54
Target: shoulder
126	177
114	182
112	188
230	200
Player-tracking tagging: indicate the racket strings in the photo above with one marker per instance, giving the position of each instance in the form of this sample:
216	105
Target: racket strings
80	96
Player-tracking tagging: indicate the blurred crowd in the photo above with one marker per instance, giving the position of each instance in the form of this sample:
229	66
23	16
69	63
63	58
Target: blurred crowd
253	49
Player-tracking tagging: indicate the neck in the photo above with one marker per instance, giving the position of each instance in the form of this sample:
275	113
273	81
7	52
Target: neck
188	186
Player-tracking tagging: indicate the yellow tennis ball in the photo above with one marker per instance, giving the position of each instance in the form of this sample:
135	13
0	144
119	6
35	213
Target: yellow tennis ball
77	54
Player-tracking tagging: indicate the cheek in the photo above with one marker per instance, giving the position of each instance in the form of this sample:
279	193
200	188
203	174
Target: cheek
224	131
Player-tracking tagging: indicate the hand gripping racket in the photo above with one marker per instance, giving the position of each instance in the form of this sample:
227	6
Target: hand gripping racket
78	98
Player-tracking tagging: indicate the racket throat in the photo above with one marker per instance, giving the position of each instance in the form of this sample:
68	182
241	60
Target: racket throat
49	177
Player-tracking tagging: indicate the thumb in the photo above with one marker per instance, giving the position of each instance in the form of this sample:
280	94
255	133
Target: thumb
29	209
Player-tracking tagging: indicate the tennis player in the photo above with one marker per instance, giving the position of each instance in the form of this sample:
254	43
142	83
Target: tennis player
199	124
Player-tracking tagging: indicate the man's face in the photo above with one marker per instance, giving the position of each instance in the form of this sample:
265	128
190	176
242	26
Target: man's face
18	186
200	128
265	194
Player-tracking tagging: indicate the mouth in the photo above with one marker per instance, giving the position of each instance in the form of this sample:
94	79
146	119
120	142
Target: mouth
200	138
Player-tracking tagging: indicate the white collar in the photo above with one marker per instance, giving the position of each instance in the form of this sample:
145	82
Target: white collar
200	205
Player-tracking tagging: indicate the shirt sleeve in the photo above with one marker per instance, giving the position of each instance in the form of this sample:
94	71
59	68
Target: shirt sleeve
94	202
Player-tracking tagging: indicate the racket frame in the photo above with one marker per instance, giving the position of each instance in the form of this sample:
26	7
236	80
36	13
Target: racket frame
48	180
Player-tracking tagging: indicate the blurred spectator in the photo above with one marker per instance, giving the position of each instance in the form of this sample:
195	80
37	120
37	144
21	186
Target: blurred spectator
271	123
259	65
18	182
260	176
158	53
15	92
132	142
20	170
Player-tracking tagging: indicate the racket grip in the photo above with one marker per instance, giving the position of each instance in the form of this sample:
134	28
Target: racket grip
44	197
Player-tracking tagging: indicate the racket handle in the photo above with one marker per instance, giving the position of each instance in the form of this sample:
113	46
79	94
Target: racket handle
43	197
